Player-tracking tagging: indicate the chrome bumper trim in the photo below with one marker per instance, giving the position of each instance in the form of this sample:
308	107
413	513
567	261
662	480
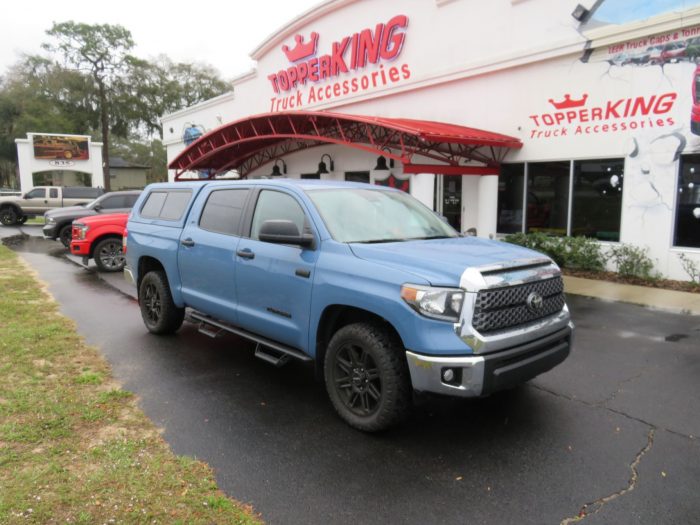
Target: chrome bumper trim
426	374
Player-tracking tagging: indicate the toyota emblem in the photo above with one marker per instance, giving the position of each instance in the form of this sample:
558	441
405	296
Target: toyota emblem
534	302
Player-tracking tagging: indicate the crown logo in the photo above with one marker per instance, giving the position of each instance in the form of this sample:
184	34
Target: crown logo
569	103
301	50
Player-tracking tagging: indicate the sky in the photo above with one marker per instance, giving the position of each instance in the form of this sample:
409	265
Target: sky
623	11
216	32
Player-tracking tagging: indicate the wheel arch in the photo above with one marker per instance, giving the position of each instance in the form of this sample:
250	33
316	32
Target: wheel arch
100	238
148	264
335	317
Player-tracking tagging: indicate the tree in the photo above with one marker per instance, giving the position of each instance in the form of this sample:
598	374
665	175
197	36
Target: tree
101	50
152	89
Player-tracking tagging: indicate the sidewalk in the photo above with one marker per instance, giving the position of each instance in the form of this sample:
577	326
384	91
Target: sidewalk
668	300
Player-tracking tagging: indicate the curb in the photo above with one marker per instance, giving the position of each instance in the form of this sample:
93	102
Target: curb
655	298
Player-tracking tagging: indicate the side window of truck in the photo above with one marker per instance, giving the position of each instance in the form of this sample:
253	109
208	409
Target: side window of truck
222	211
37	193
53	193
168	205
275	205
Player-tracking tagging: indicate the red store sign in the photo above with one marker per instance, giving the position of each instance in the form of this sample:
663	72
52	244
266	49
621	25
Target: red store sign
351	54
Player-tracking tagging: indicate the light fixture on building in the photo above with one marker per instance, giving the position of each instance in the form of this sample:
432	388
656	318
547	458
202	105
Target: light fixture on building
381	162
580	13
322	169
276	168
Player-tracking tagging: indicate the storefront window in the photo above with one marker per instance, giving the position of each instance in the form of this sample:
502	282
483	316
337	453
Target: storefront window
687	231
510	198
547	197
597	202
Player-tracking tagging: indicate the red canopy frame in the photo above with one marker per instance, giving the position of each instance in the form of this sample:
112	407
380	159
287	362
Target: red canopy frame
250	143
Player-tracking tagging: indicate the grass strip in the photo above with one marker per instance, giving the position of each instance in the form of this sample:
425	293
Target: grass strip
74	446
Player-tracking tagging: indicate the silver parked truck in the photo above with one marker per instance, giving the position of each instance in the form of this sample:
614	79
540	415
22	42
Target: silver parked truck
37	201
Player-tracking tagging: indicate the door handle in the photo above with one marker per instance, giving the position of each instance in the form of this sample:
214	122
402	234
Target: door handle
187	242
302	272
245	254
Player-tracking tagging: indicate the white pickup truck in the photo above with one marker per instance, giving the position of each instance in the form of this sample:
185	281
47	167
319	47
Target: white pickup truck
16	209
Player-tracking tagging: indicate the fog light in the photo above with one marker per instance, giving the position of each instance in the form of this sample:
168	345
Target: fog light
448	375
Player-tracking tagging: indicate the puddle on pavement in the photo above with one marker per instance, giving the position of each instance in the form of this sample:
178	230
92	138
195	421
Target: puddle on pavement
31	244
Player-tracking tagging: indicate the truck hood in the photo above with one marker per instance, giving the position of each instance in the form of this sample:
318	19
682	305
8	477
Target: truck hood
441	262
75	212
10	198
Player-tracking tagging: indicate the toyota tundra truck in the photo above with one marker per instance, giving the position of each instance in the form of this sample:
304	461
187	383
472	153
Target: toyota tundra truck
365	282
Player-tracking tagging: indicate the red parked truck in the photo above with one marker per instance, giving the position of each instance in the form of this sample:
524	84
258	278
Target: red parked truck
99	237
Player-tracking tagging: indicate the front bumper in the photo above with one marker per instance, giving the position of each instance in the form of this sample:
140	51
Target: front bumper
81	248
481	375
50	231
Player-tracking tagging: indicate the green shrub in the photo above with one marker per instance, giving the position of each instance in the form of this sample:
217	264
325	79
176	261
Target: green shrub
582	253
632	261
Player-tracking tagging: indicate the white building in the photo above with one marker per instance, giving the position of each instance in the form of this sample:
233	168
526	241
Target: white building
600	102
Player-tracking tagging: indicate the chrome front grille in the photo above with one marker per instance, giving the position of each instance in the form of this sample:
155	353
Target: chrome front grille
507	307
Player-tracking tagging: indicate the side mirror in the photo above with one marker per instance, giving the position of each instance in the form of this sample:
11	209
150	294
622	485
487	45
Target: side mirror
97	207
284	232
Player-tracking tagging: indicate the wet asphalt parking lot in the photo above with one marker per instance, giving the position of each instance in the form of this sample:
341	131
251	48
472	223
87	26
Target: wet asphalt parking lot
610	435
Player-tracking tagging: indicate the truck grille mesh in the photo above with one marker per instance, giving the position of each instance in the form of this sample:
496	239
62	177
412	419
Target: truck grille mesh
507	307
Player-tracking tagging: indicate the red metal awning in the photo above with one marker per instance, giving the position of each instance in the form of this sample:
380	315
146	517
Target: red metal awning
250	143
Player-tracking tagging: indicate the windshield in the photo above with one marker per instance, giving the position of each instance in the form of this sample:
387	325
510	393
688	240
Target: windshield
367	215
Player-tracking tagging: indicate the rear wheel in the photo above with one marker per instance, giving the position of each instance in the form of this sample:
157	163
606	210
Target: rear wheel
108	255
367	377
8	216
159	313
65	234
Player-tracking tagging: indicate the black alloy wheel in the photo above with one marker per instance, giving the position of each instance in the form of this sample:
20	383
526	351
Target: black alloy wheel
22	219
367	376
65	235
159	312
108	255
357	379
8	216
151	304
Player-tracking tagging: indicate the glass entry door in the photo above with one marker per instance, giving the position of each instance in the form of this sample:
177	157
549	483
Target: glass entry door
448	199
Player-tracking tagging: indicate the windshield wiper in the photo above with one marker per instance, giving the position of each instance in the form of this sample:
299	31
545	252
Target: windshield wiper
377	241
430	237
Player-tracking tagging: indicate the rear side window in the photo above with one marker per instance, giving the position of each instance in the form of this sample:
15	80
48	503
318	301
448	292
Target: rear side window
130	200
78	192
110	203
167	205
53	193
223	210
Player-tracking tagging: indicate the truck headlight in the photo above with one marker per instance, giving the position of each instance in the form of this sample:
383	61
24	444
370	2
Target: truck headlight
50	220
81	230
437	303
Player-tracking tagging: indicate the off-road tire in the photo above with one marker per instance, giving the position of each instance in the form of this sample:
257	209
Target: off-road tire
108	255
8	216
367	377
65	234
159	313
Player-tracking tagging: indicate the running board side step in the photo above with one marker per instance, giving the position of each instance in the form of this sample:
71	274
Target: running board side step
213	328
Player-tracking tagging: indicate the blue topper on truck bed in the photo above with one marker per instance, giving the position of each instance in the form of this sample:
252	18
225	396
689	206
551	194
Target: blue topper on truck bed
372	286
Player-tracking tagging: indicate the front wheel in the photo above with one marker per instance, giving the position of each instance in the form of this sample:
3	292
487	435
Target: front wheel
66	234
367	377
8	216
108	255
159	312
22	219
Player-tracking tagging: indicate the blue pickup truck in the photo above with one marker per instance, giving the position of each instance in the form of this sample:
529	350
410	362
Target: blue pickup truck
364	281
